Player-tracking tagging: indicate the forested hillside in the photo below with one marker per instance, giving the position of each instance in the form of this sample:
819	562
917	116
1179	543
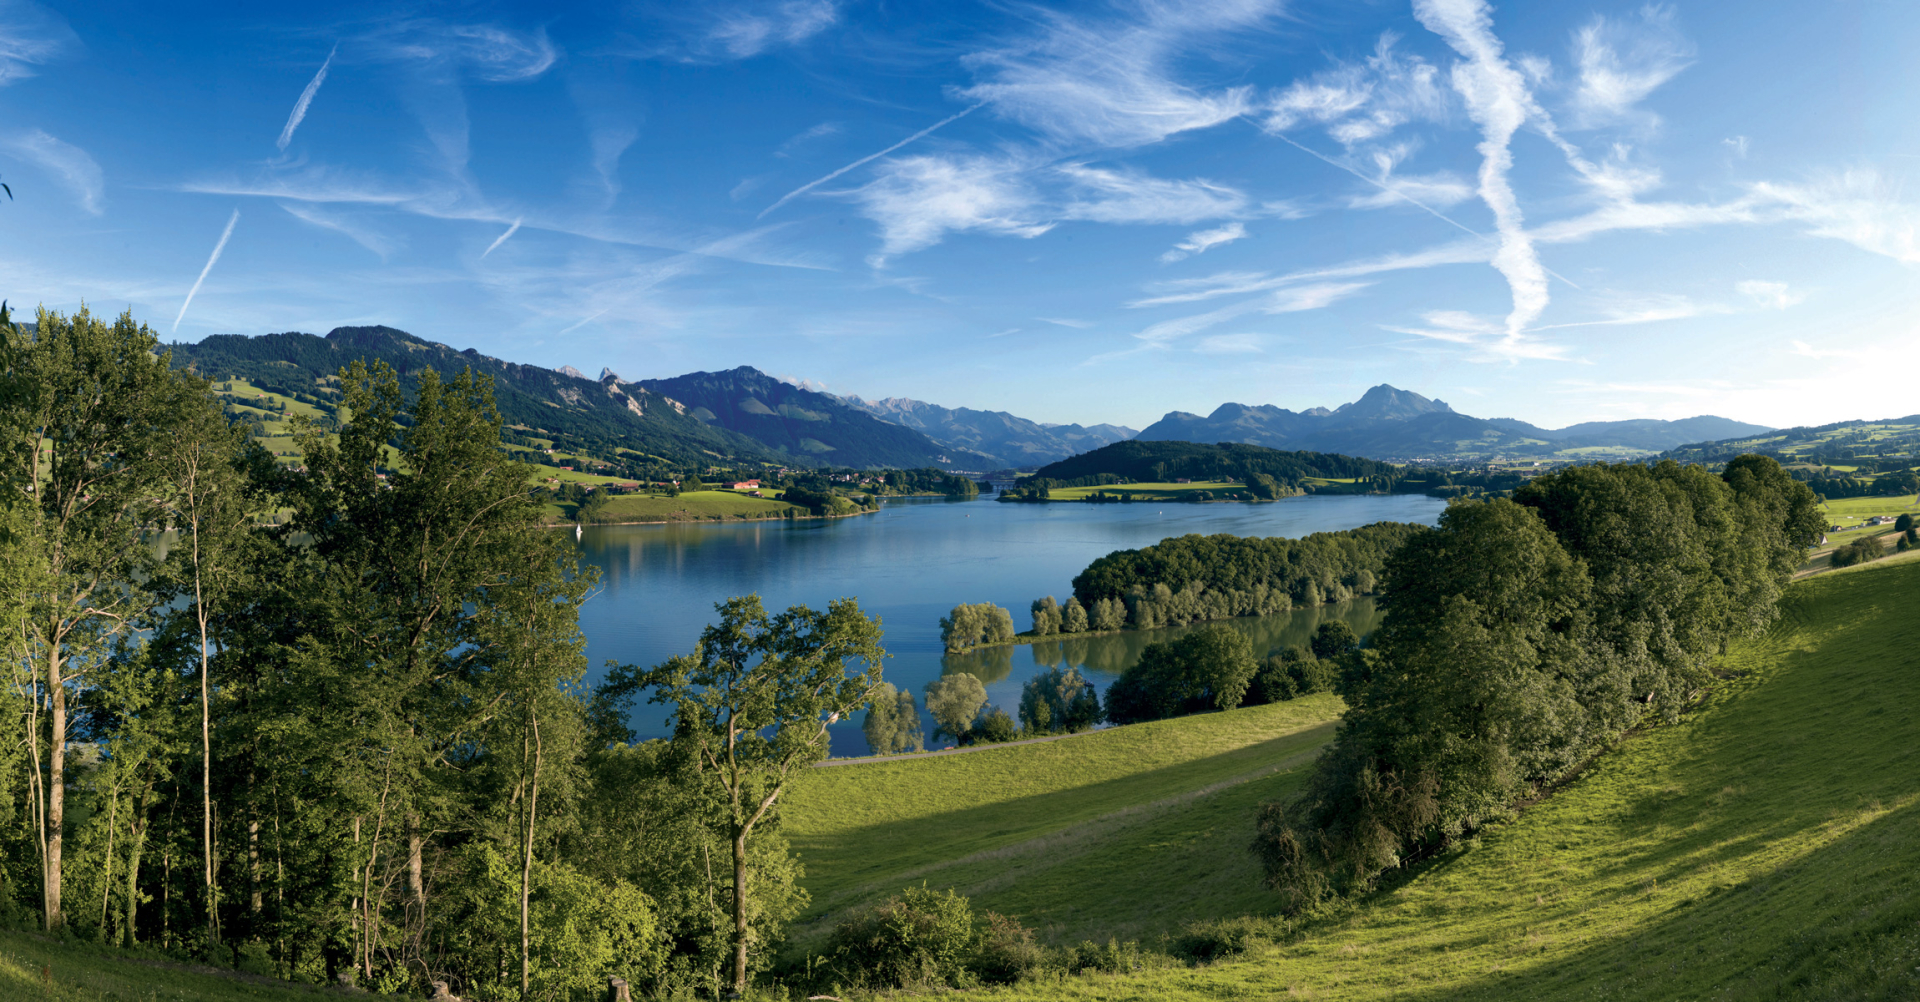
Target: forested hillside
1159	461
574	412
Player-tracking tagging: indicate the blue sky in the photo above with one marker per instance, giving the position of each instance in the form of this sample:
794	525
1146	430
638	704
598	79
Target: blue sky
1082	212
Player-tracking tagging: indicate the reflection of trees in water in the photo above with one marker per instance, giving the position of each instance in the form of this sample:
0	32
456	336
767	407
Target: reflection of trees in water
1113	653
988	664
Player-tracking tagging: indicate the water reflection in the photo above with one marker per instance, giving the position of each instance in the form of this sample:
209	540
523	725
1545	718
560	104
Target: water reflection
1101	658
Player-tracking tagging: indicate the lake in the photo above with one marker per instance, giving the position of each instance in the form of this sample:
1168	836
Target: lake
911	562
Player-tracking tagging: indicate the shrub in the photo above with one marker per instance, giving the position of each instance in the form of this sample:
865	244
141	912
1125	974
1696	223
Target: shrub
1114	958
1271	684
918	937
1108	614
1073	616
994	728
1858	552
1059	700
954	701
893	722
1207	669
971	625
1210	941
1046	617
1004	951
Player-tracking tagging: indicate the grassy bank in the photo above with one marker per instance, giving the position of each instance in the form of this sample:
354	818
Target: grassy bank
36	968
692	506
1765	847
1054	831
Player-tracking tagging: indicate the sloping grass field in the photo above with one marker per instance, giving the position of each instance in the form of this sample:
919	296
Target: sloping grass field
1765	847
692	506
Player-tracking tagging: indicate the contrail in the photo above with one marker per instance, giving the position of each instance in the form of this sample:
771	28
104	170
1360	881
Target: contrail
215	256
1436	213
803	189
503	237
306	98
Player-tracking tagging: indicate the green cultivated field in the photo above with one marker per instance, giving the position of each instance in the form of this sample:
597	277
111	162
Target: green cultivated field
693	506
1766	847
1129	831
1146	492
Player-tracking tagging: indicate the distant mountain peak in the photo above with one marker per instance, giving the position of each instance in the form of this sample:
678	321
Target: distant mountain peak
1389	403
568	370
606	374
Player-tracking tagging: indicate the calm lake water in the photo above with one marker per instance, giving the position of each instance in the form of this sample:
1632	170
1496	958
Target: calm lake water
913	561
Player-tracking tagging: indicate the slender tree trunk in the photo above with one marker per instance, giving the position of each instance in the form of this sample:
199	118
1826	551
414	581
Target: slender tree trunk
739	910
106	882
206	743
56	790
526	857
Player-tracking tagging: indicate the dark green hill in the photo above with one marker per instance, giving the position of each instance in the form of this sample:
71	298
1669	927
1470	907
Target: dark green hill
569	409
1162	461
814	428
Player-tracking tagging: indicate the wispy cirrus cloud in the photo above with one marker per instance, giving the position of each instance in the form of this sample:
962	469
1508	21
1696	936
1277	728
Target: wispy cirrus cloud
1622	61
1109	81
1201	241
917	200
355	230
1111	196
30	37
1481	339
67	165
1359	102
1770	295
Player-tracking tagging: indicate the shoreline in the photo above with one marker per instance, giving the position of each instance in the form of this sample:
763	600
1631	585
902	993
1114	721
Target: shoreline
782	517
1029	637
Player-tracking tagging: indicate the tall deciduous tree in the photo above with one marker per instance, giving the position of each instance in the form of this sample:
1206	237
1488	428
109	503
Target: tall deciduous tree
91	413
754	702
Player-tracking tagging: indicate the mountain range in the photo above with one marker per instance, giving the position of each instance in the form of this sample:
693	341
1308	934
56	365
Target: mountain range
1391	423
745	415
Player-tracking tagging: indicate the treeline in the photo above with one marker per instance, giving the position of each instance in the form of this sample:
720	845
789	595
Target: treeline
1886	485
359	746
1160	462
1193	578
1524	636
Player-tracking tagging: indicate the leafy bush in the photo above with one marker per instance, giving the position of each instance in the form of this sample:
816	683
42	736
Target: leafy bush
1004	951
893	722
1059	700
994	728
919	937
971	625
1114	958
1206	942
954	701
1207	669
1858	552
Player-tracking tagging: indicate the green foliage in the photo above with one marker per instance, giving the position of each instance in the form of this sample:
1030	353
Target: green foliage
916	939
1196	578
1058	701
892	725
971	625
1159	462
1073	616
1108	614
753	703
1046	617
1860	551
1207	669
994	728
954	701
1520	639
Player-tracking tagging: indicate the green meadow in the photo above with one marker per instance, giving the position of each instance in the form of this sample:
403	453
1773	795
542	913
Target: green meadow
691	506
1146	492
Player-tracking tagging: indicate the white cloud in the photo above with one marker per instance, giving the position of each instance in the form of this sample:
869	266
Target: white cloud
869	158
377	242
1738	146
1621	62
1858	207
1112	197
1440	190
1233	283
211	260
30	36
1110	83
820	131
748	30
1481	339
918	200
1201	241
68	165
1770	295
486	52
299	113
1291	300
1067	322
1361	102
1497	99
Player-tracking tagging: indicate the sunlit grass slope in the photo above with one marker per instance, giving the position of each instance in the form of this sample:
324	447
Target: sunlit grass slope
693	506
79	973
1766	847
1146	492
1126	832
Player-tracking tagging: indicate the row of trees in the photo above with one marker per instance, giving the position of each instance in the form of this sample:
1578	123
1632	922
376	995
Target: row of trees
361	742
1521	638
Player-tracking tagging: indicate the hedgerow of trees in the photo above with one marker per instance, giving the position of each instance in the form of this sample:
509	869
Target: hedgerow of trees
1520	639
331	723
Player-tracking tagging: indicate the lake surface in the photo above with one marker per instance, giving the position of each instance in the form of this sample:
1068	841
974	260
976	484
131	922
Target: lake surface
913	561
